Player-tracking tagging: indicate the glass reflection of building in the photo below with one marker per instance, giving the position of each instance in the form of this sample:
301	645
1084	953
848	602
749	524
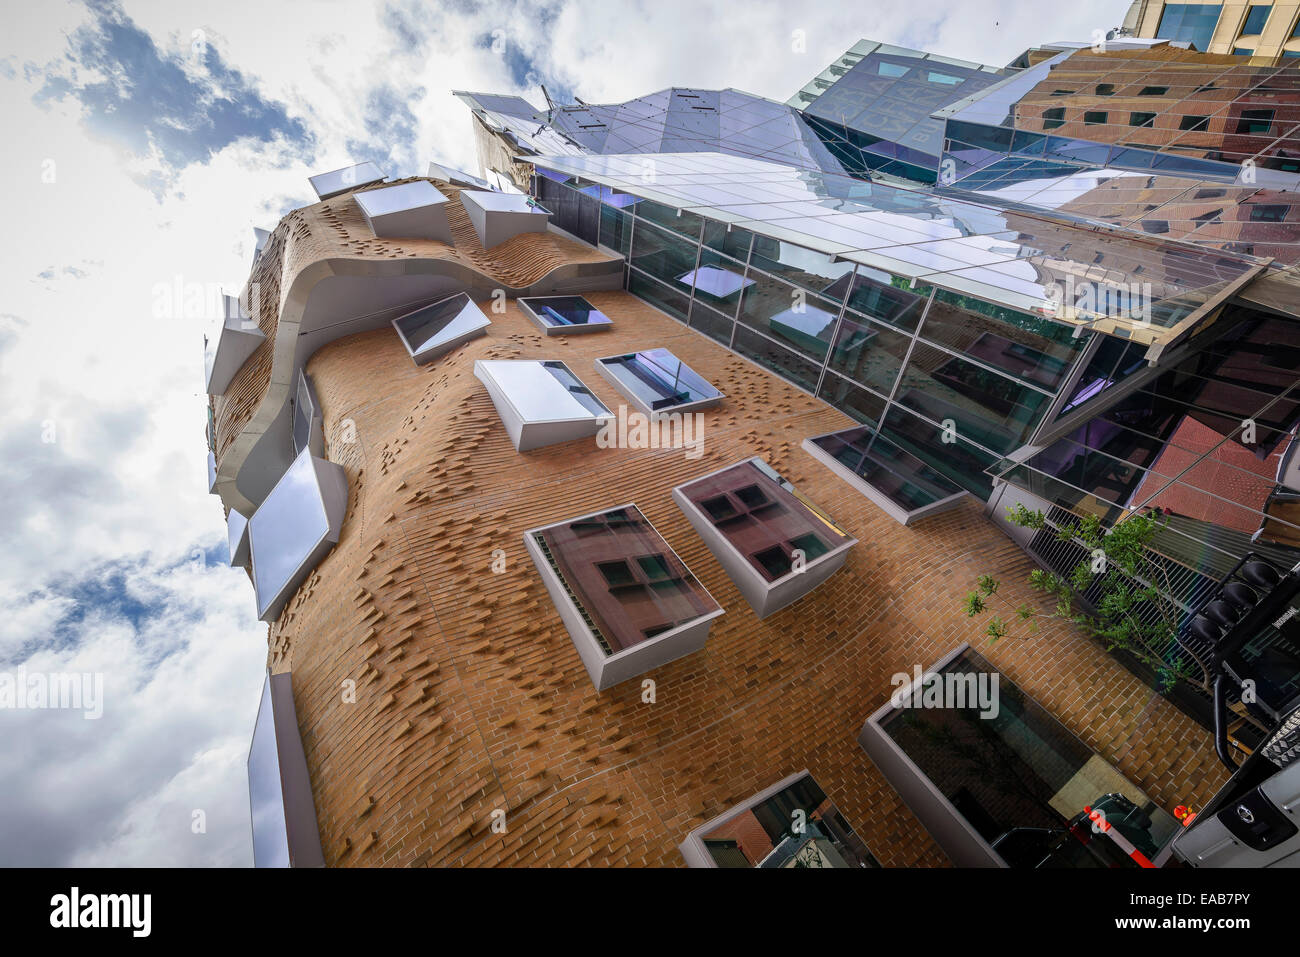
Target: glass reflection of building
896	256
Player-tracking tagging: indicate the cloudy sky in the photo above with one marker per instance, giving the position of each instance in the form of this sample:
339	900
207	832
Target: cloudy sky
144	141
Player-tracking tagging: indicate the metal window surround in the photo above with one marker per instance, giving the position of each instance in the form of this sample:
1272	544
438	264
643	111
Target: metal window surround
747	513
283	813
656	382
457	177
212	473
308	423
340	181
237	536
607	619
407	211
296	525
827	840
540	401
432	331
228	348
1050	782
983	249
902	485
564	315
497	217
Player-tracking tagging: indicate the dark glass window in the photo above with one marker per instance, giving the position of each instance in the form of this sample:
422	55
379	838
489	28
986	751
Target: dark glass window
1141	119
1054	118
1269	213
1194	22
1255	19
1153	91
1095	117
789	315
1105	89
663	254
1257	122
657	294
1194	123
869	353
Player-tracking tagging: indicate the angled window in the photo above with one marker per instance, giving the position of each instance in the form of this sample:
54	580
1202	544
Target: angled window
773	541
559	315
456	177
497	217
953	745
1054	118
237	537
407	211
1153	91
434	330
1194	123
1141	119
896	480
339	181
1095	117
1105	89
285	832
296	525
656	381
627	600
308	428
540	402
791	824
227	348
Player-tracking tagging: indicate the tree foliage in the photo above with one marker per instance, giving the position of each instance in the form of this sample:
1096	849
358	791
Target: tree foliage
1112	593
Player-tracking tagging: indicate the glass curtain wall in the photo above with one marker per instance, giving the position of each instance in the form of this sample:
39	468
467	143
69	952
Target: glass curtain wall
953	380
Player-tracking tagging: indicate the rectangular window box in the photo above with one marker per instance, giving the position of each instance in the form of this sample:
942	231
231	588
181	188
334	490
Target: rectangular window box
541	402
296	525
340	181
283	813
776	545
430	332
629	603
228	348
497	217
414	210
792	824
905	487
564	315
1004	786
656	381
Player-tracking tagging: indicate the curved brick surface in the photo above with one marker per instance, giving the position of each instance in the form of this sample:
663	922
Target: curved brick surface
471	698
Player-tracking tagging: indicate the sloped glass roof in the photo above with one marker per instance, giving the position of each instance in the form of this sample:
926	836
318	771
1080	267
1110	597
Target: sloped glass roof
995	252
673	120
1240	219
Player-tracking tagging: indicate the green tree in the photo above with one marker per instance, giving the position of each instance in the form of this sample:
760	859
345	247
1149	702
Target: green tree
1127	610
